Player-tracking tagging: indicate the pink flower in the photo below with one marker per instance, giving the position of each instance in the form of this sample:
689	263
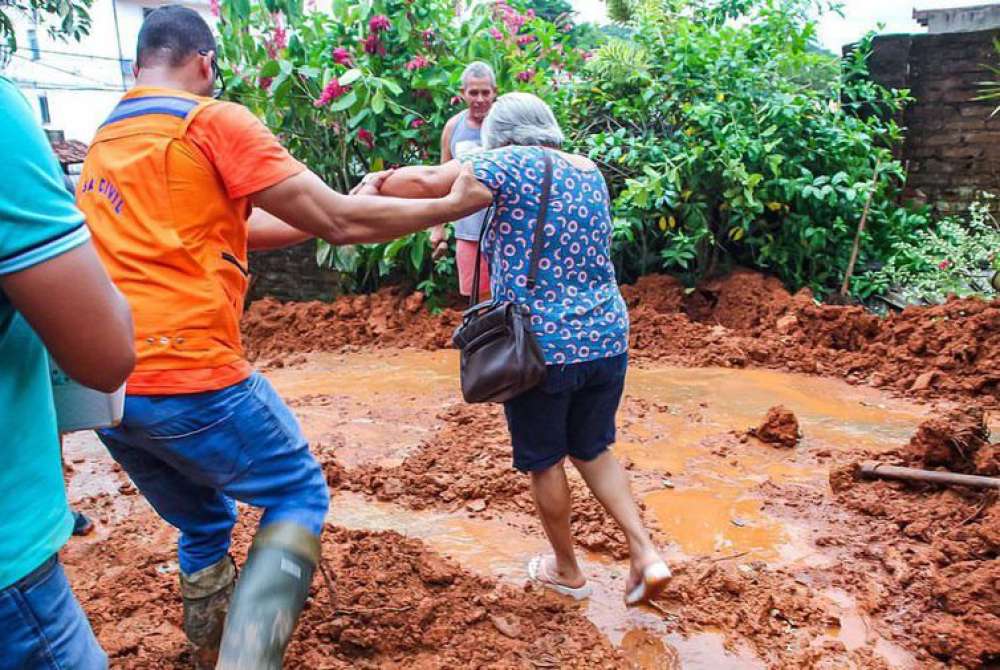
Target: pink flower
342	56
367	138
586	55
496	34
373	45
523	40
416	123
280	34
530	14
379	23
944	265
525	75
428	35
332	91
417	63
421	94
455	100
265	83
213	7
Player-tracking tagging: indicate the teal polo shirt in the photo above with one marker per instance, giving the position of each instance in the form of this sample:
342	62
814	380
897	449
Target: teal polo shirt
38	221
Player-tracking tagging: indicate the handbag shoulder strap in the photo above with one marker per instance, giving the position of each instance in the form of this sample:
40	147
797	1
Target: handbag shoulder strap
487	220
543	210
537	242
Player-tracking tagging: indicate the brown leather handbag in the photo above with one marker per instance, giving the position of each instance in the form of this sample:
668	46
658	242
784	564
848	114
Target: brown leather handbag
501	358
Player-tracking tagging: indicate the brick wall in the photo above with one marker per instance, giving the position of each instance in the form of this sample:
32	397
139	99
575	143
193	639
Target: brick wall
952	147
290	274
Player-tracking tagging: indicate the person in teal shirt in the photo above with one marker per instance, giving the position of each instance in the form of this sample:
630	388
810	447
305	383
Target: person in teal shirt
54	294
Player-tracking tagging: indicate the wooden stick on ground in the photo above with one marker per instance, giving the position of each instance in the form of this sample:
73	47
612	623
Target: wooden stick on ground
861	229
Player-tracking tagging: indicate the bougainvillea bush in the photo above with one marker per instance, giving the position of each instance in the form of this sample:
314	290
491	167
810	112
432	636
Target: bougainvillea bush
368	85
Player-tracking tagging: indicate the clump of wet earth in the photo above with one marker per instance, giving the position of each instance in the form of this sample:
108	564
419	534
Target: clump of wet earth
780	428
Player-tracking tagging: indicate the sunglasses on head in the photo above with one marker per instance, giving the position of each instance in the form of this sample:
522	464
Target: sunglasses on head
220	88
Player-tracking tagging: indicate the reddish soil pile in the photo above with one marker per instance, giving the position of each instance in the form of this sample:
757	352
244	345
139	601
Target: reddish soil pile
957	441
926	557
782	618
272	329
467	466
396	605
780	428
744	319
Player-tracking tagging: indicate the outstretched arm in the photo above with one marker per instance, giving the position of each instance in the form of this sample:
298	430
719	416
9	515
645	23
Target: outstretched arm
423	181
315	208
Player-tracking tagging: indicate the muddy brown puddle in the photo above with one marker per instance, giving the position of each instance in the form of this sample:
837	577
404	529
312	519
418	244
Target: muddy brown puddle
378	407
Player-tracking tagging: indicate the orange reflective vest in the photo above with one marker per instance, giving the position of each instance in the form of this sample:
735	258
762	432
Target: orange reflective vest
176	247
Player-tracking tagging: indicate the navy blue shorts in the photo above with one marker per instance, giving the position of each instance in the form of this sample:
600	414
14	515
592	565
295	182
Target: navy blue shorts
571	413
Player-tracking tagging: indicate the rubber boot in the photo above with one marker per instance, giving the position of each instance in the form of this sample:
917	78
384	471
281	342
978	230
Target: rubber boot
269	597
206	596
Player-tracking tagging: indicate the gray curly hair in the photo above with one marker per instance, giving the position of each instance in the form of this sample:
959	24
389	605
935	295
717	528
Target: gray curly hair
522	119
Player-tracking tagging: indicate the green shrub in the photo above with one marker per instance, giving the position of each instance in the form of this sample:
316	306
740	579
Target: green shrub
960	256
370	85
738	142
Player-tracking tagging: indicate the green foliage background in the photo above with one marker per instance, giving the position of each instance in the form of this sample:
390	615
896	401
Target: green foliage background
725	135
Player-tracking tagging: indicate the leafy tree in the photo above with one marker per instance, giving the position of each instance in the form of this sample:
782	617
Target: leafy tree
733	141
65	19
369	85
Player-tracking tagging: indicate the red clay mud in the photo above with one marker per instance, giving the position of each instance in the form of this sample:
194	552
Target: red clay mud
925	556
396	605
467	467
744	319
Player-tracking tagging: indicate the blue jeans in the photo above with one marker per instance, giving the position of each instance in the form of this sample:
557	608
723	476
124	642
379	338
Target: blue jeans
42	626
194	455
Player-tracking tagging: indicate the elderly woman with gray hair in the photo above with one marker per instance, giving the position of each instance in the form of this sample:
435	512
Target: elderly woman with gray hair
578	318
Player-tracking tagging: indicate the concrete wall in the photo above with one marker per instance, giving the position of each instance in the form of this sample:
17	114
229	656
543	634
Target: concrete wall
952	145
290	274
959	19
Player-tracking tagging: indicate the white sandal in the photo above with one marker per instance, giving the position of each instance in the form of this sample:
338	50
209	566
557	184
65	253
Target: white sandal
538	573
654	579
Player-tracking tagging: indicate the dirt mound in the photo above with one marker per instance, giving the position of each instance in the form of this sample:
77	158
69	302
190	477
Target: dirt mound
953	441
396	604
934	549
944	350
467	466
780	428
659	293
781	617
742	300
744	319
272	329
399	605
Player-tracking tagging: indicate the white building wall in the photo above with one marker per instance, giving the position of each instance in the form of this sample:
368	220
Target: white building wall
82	81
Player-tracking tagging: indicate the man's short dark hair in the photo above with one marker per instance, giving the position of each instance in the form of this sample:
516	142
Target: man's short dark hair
171	35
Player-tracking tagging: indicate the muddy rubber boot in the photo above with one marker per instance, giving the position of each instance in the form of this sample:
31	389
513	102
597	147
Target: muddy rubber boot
206	595
269	597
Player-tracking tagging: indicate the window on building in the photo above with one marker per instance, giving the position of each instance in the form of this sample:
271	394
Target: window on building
43	107
33	44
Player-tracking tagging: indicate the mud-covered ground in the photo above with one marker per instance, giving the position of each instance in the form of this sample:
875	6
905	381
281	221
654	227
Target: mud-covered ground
744	469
